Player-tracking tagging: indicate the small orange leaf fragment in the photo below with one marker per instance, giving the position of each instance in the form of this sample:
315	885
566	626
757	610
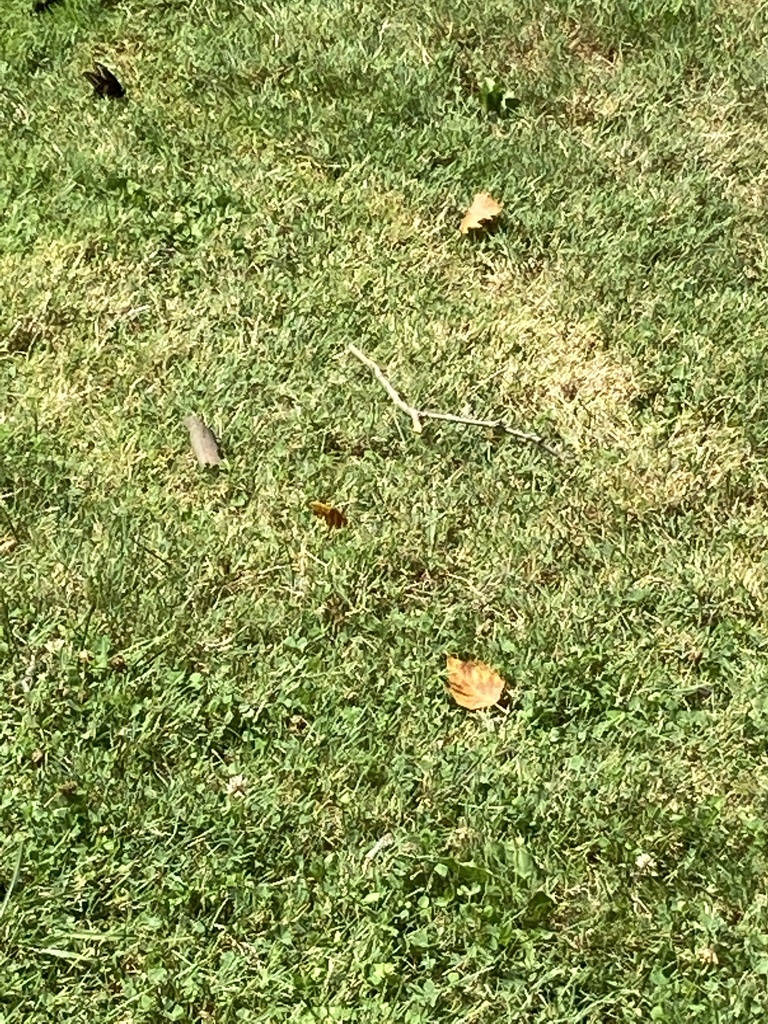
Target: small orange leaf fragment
472	684
334	517
481	214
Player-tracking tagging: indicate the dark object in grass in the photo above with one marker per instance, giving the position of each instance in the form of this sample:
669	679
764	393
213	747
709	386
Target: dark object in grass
333	517
697	696
45	5
203	441
104	82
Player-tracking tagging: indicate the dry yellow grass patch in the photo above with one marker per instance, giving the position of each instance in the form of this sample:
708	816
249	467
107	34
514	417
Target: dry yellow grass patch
693	460
561	371
560	368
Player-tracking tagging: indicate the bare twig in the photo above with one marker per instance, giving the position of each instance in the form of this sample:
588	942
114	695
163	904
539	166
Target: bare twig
417	415
381	844
379	375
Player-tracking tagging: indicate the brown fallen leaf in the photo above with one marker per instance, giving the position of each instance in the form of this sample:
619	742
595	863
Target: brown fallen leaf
203	441
334	517
7	544
472	684
481	215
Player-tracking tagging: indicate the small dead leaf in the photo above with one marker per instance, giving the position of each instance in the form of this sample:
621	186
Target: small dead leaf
334	517
481	214
472	684
7	544
707	955
645	863
203	441
237	786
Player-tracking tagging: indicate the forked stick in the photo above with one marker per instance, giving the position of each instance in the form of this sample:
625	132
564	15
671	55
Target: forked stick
417	415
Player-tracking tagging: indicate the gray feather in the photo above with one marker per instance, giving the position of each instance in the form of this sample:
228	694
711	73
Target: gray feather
203	441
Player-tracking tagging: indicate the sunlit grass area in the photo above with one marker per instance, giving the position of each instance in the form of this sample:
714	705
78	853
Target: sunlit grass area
234	788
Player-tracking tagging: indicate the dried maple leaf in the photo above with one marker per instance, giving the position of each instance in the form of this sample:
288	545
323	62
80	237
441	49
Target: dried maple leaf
481	214
334	517
472	684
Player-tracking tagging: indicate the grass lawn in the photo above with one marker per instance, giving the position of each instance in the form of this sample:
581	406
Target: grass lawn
233	787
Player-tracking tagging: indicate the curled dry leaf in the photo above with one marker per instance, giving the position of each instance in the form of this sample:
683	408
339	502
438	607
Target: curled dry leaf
483	212
334	517
472	684
203	441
